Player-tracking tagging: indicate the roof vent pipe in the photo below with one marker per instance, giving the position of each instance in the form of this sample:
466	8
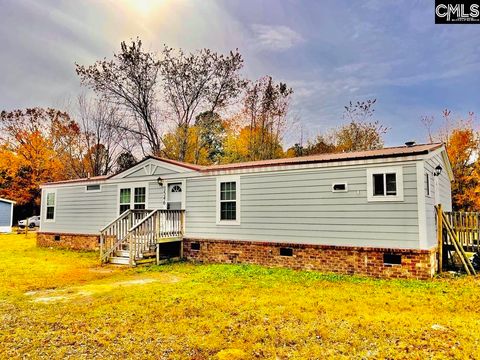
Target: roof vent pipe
410	143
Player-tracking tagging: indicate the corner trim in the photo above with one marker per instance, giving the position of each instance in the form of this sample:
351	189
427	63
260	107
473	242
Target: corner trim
422	211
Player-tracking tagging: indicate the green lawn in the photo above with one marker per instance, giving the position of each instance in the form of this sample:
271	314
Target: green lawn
61	304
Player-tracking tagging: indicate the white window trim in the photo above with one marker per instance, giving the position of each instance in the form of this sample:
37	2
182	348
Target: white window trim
184	192
93	191
220	180
132	187
398	171
340	183
54	191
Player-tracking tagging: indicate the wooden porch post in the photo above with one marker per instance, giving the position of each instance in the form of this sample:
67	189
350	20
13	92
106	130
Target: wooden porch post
440	237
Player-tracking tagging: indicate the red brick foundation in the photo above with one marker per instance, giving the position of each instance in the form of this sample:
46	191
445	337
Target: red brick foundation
339	259
68	241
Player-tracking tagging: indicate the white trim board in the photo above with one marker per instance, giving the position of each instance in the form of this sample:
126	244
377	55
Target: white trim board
5	229
398	171
422	212
183	183
132	186
272	169
238	197
148	164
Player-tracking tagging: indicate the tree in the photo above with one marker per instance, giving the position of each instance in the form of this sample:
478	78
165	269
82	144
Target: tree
130	81
210	135
237	146
462	142
102	139
265	110
125	161
55	126
33	151
198	82
360	133
463	145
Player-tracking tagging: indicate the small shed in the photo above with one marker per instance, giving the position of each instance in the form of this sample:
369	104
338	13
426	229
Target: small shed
6	215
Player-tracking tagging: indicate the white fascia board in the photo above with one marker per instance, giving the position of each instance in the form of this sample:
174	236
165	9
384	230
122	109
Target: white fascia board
156	162
267	169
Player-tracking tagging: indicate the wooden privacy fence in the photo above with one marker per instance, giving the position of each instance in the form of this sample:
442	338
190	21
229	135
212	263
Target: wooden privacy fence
467	228
458	235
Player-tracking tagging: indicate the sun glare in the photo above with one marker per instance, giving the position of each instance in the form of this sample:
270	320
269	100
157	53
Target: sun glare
143	7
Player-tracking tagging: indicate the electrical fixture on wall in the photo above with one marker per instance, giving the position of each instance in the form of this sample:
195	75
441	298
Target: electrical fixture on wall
437	171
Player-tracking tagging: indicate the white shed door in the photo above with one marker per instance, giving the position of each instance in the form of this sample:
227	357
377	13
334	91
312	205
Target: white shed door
174	196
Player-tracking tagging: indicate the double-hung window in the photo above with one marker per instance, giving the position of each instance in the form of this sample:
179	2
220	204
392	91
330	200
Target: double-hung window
134	197
228	201
50	207
385	184
140	198
125	199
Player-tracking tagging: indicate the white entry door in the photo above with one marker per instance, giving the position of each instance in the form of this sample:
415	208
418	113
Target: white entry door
174	196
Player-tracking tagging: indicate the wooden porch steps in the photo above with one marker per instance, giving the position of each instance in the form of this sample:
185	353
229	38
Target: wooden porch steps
134	238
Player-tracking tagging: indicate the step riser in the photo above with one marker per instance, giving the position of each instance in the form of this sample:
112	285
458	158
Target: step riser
122	253
120	260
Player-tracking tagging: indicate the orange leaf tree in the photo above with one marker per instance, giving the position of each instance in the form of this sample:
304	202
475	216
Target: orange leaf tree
34	148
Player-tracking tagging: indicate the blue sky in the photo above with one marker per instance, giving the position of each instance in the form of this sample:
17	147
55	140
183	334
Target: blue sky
330	52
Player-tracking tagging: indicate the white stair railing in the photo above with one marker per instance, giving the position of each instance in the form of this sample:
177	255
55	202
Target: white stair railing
159	224
114	235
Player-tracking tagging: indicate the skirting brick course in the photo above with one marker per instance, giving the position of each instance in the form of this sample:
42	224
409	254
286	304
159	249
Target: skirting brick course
418	264
68	241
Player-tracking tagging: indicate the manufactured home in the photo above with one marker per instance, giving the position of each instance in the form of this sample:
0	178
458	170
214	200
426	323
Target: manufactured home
369	212
6	215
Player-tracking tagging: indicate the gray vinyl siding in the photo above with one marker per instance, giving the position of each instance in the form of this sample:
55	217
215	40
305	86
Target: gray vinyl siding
78	211
156	195
5	213
299	207
444	196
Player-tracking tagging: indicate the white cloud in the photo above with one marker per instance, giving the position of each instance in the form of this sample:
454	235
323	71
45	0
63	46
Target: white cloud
276	38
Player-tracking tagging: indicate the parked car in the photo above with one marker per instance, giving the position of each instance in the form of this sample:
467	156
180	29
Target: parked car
33	221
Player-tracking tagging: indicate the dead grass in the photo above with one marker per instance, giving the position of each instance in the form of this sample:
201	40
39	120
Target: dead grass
60	304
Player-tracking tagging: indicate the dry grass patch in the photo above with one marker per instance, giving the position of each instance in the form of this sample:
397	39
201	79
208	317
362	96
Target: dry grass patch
185	311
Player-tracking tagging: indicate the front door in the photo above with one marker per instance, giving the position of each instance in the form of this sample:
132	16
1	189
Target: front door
174	196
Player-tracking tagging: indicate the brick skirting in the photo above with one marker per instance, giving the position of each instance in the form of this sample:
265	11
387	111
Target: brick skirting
68	241
339	259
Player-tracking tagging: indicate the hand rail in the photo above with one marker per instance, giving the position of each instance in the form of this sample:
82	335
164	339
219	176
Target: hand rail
143	220
125	213
141	230
116	231
159	224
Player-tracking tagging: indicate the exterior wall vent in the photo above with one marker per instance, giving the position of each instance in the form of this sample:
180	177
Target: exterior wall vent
286	251
392	259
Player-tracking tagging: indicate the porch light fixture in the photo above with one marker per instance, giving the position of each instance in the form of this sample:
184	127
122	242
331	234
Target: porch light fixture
160	181
437	171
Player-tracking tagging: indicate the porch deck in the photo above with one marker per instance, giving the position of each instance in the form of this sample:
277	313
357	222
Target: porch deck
136	236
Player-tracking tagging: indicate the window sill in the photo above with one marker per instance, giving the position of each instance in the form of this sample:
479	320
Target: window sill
385	199
227	223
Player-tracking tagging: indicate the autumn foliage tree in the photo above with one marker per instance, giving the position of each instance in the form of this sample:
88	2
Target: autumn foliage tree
360	132
462	142
197	83
33	151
